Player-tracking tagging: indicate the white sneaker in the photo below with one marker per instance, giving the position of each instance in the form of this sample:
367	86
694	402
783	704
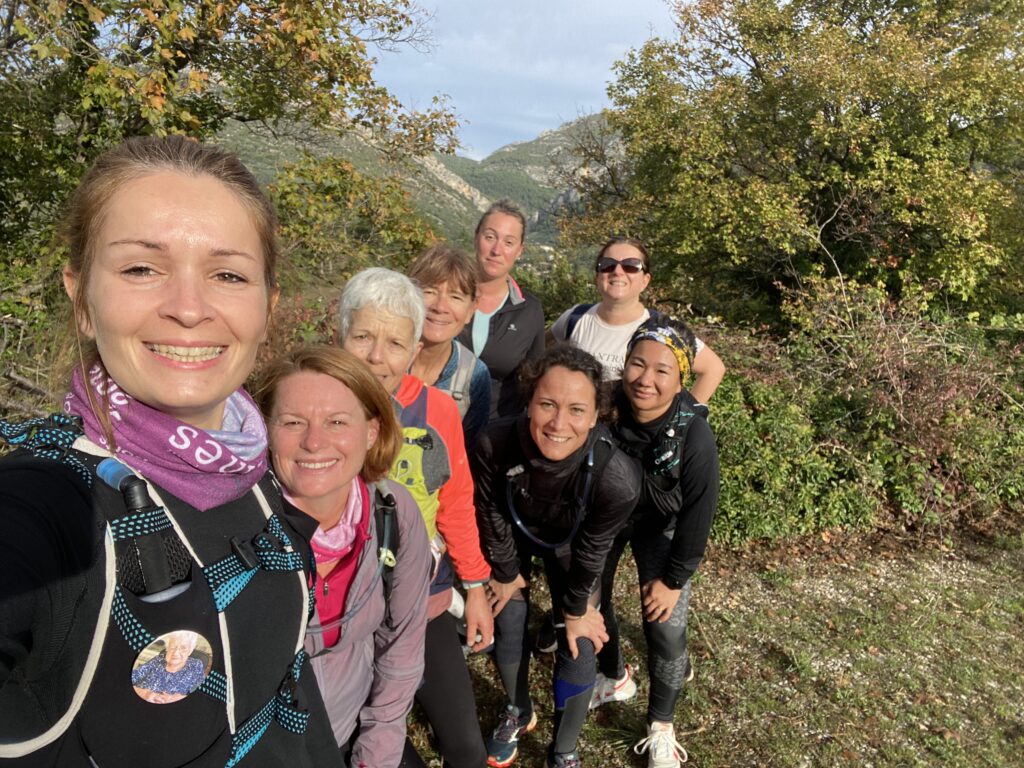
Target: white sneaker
606	690
663	751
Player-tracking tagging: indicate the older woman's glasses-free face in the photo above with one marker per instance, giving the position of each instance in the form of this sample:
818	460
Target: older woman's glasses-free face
607	265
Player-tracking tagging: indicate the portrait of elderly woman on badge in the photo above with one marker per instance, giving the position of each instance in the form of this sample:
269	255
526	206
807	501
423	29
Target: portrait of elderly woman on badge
171	667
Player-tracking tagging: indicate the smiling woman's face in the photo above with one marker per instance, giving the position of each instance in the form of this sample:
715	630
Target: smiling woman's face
449	308
650	379
562	412
619	285
319	436
177	299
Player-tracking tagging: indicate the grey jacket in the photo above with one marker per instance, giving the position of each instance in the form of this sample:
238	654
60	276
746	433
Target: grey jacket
370	675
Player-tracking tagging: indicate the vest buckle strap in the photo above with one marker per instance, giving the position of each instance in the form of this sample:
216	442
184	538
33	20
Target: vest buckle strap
267	550
286	709
245	552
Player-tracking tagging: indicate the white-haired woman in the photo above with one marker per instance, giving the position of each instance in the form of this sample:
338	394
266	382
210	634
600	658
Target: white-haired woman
381	321
173	673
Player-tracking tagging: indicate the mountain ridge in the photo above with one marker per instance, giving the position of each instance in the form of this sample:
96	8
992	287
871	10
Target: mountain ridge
449	191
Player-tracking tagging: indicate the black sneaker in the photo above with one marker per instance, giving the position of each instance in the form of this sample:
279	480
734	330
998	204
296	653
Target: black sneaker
503	746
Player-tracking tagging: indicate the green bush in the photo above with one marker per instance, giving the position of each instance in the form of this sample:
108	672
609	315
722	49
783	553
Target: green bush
863	413
931	405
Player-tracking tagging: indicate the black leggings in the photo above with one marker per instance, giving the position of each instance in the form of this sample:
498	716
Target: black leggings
446	697
667	655
573	679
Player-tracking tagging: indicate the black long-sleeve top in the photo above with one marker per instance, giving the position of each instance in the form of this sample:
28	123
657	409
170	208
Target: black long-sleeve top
545	494
685	498
515	334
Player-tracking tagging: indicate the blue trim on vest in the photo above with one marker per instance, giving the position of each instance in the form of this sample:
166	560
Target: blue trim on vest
282	708
149	521
49	437
230	575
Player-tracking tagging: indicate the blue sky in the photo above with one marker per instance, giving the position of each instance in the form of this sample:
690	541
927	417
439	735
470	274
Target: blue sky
514	69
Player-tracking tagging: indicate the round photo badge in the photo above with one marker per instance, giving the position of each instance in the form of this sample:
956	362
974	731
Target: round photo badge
172	666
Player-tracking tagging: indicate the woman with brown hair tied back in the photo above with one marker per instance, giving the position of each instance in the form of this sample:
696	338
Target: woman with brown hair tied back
508	325
144	513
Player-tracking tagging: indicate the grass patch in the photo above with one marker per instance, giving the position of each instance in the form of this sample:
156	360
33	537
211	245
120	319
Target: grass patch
908	658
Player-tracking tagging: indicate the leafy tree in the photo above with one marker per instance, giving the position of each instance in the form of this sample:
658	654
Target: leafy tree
874	138
336	221
79	76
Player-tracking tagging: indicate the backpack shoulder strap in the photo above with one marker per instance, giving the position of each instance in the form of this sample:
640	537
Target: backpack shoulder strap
385	517
600	455
50	437
574	317
465	364
667	449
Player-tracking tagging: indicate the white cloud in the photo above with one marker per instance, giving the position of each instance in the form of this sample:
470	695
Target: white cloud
513	71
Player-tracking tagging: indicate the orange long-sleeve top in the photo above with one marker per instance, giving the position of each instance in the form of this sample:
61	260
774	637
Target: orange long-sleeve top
456	513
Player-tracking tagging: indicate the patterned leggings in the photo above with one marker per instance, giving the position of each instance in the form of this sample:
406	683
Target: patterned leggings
667	656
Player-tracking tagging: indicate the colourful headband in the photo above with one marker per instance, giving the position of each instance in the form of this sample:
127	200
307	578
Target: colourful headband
664	334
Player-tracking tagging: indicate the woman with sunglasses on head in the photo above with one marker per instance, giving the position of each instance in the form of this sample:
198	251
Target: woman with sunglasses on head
144	513
623	270
551	485
659	424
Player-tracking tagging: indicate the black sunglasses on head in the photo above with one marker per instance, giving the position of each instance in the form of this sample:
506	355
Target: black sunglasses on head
607	265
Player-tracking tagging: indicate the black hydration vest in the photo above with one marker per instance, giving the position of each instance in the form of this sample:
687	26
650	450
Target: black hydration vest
230	574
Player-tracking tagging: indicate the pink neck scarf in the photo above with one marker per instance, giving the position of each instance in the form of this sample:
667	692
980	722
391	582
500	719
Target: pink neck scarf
203	468
335	543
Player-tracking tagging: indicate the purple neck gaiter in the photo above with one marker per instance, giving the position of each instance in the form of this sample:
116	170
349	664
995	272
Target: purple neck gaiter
203	468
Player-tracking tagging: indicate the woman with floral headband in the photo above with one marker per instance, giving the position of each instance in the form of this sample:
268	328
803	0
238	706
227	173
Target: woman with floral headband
660	424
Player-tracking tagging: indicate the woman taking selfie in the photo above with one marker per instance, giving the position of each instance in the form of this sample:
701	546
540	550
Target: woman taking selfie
333	438
550	484
145	513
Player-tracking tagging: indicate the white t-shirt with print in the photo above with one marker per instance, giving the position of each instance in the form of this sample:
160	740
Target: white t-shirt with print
605	342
